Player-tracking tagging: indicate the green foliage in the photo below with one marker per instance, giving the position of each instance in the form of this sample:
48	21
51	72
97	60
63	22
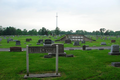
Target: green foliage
57	31
13	31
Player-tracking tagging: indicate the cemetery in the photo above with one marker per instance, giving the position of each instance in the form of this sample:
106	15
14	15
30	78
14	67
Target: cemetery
84	46
73	63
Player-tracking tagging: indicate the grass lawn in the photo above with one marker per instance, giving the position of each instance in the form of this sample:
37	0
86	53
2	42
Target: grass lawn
85	65
4	44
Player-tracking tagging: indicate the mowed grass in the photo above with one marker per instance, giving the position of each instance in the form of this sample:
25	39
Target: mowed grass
85	65
4	44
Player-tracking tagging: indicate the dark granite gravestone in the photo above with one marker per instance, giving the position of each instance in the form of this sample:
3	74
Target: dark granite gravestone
48	42
114	50
69	55
83	42
39	41
103	43
18	43
115	64
60	50
28	40
112	41
15	49
105	38
76	43
68	41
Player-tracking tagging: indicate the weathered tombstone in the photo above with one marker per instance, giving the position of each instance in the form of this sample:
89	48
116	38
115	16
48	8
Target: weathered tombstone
76	43
114	50
18	43
103	43
68	41
83	42
15	49
0	39
48	42
112	41
60	50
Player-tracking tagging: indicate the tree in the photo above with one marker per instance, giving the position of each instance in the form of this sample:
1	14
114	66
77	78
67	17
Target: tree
9	31
97	32
18	32
24	32
40	31
57	31
43	30
1	30
32	32
102	30
107	32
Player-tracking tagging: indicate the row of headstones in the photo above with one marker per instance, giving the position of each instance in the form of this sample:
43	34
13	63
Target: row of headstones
104	43
60	50
68	41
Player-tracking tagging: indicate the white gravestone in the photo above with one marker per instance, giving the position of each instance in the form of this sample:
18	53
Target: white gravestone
114	50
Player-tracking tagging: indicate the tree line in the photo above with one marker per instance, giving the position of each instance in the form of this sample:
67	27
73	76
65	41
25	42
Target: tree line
43	31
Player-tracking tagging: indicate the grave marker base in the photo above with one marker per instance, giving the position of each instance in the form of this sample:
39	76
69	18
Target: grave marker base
60	54
42	75
114	53
115	64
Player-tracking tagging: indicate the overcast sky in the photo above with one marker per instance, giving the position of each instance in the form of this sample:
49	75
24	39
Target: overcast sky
89	15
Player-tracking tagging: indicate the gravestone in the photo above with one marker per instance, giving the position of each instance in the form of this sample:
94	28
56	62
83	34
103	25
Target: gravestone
28	40
15	49
114	50
76	43
18	43
9	40
69	55
105	38
68	41
39	41
112	41
103	43
101	49
0	39
48	42
115	64
60	50
83	42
